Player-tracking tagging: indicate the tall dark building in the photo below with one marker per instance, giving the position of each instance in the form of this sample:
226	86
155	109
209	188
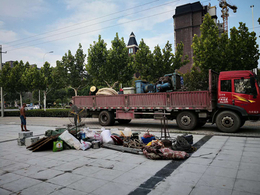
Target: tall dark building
132	44
187	21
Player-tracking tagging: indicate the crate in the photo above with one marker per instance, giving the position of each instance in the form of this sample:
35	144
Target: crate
21	141
129	90
22	135
31	140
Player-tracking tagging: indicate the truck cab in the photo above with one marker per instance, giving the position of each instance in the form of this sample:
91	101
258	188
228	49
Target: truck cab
238	97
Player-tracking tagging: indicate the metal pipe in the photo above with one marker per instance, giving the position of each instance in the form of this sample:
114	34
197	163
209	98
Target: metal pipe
2	97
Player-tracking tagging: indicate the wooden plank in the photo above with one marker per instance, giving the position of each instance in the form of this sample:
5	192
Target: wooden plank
123	149
36	143
41	145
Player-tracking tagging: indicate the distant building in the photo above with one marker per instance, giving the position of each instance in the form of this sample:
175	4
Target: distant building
10	62
187	21
132	44
34	65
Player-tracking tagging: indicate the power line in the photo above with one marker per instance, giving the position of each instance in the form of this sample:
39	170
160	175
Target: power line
83	22
92	24
95	30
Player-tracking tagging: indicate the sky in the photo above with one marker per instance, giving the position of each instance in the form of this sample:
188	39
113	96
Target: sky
44	30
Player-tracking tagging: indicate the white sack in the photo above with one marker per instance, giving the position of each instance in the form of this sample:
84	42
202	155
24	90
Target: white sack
85	145
106	137
92	134
127	132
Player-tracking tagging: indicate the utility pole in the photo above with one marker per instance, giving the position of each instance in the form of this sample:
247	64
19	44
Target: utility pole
252	6
2	96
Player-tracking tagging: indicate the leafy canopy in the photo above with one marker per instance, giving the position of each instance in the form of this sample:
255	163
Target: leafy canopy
220	53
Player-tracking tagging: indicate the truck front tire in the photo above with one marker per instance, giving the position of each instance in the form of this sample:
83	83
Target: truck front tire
228	122
187	120
106	118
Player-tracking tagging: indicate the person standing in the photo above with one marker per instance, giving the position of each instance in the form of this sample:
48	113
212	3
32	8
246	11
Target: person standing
74	112
23	118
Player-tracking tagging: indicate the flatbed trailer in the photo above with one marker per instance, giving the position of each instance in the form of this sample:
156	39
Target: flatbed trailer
224	103
180	105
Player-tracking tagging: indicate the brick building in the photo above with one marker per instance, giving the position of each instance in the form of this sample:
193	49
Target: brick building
187	21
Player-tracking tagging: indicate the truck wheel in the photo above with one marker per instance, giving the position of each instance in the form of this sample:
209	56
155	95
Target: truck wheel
228	121
187	120
201	123
106	118
124	121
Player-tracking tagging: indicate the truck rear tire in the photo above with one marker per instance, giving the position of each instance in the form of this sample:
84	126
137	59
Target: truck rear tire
106	118
228	122
124	121
187	120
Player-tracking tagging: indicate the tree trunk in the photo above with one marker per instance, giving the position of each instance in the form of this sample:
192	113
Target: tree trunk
76	91
39	98
45	97
21	100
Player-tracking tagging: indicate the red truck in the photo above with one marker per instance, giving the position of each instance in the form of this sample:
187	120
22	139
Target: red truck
232	98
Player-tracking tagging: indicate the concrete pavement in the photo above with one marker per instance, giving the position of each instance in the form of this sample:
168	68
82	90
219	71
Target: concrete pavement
222	165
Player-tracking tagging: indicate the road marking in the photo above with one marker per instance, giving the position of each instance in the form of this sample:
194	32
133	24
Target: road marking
149	185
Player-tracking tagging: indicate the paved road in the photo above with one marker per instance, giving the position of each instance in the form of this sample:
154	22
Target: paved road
249	129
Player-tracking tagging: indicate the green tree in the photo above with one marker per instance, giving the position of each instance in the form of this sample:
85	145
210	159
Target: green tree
5	79
97	62
206	47
59	75
143	61
220	53
46	81
160	62
77	75
166	62
209	52
158	66
31	78
17	79
178	59
243	53
119	67
70	72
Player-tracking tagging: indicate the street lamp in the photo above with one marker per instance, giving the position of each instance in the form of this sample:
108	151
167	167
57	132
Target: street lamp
40	90
2	96
252	6
45	54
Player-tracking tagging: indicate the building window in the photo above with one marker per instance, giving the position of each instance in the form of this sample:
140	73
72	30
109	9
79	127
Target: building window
226	85
131	50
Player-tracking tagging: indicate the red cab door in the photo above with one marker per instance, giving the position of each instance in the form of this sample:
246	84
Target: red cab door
244	97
